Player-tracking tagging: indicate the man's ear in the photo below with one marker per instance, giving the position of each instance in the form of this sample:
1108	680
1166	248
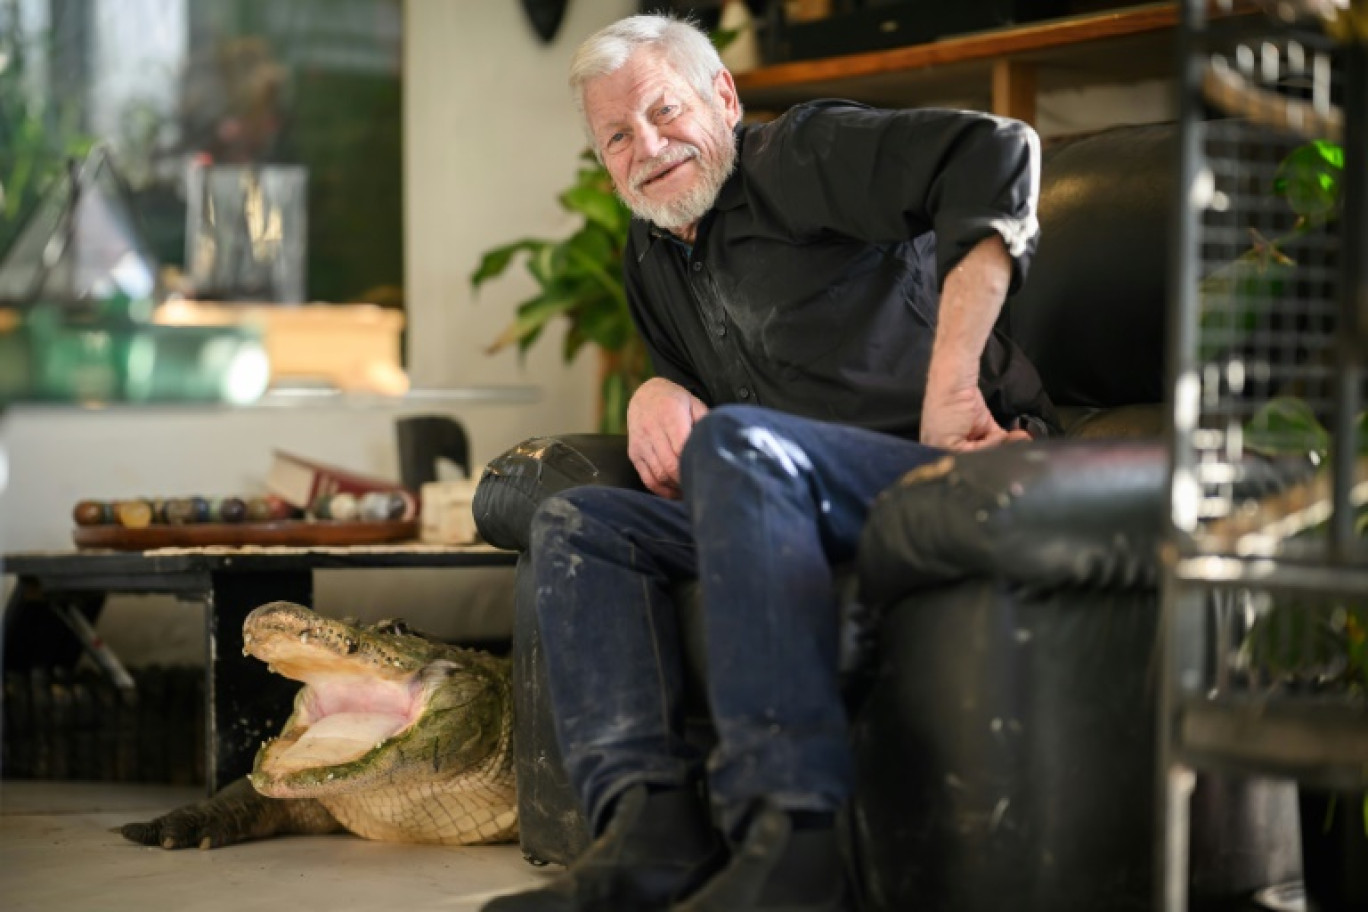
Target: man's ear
724	87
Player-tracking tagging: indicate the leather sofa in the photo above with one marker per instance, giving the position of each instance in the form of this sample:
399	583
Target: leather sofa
1000	622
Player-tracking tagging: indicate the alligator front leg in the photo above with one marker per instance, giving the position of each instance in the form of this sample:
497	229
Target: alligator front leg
238	813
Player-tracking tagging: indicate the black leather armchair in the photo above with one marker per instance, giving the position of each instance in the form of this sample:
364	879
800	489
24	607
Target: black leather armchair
1000	621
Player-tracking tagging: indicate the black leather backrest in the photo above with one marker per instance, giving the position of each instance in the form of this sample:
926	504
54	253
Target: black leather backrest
1091	314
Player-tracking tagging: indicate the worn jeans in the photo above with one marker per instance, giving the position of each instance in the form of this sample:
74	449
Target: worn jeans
770	502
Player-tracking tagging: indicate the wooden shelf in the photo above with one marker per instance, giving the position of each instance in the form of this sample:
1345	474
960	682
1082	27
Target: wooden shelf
999	70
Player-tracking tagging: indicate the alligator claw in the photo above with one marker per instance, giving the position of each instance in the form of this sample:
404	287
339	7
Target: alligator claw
185	828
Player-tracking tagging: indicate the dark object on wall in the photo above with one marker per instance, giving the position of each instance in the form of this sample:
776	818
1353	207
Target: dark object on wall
545	16
876	27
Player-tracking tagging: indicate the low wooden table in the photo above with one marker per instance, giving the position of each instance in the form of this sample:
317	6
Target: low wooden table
245	704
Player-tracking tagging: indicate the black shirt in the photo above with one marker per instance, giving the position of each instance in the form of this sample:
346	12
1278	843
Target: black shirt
813	283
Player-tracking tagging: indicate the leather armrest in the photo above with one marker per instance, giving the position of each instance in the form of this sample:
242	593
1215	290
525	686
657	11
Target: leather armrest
1045	514
515	483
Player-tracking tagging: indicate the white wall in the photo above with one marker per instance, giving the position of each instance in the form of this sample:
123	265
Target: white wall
490	139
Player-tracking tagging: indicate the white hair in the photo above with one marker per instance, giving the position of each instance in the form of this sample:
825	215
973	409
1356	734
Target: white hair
680	41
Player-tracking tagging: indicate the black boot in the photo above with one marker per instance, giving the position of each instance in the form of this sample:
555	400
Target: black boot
778	868
657	846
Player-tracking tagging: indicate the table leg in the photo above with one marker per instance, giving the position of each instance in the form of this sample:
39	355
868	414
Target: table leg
246	703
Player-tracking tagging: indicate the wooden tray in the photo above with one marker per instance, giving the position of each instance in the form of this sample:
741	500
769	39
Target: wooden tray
294	532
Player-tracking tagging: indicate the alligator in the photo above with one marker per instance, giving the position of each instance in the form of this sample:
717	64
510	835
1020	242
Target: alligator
394	736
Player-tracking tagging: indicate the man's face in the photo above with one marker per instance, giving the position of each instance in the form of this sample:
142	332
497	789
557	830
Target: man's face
668	151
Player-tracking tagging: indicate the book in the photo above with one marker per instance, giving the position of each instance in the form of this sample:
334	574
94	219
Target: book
301	482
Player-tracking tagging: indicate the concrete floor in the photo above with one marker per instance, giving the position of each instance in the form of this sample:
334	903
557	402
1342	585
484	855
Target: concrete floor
58	854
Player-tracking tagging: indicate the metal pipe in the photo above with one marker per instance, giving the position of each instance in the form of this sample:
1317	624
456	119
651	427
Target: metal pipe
1352	351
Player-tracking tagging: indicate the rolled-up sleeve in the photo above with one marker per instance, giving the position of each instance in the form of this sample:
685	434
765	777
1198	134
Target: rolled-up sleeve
885	176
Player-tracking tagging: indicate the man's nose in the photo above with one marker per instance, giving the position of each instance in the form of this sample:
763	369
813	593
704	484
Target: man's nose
650	143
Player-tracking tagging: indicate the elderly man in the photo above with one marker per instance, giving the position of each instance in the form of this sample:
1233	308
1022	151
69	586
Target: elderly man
818	295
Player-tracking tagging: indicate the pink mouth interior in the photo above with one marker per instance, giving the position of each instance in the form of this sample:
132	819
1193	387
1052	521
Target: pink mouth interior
347	716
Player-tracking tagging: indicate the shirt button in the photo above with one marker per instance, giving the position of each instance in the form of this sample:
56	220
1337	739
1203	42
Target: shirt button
721	329
697	266
743	392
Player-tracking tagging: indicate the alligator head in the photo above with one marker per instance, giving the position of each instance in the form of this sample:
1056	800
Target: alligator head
382	710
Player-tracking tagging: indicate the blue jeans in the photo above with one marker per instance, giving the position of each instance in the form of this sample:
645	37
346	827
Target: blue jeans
770	502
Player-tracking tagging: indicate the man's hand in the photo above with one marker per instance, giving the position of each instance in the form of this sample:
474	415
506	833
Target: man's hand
660	418
954	415
961	421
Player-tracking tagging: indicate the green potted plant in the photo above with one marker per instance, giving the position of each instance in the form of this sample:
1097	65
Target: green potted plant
579	281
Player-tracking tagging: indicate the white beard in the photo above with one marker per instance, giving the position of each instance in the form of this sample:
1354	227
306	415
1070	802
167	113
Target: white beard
693	203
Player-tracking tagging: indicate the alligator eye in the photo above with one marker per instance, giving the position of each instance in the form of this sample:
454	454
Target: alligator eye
393	626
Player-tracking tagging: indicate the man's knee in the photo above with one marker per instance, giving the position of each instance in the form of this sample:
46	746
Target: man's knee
558	518
723	429
741	435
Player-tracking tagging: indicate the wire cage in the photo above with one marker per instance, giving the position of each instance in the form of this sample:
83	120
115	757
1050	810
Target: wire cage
1266	585
1269	396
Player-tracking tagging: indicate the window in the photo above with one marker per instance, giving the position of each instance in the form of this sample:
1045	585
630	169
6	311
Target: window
168	84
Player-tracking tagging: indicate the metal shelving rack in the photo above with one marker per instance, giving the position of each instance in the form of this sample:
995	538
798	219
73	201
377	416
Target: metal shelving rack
1263	307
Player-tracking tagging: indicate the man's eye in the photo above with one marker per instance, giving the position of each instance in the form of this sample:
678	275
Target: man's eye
615	142
667	112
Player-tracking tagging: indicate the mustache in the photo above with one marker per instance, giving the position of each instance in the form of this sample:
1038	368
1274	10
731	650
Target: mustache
673	155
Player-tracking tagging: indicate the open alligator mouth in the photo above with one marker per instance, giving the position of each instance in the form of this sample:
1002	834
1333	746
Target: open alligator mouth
362	686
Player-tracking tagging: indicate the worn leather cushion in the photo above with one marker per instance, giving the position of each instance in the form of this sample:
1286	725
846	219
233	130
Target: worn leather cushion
515	483
1091	314
1044	514
1065	513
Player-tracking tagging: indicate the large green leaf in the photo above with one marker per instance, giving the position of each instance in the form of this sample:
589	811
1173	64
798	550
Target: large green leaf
574	341
1309	178
588	249
600	207
590	253
527	341
545	263
495	261
532	315
1286	425
605	323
